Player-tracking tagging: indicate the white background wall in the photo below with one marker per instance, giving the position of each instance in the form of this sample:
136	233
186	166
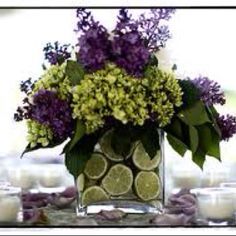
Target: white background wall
203	43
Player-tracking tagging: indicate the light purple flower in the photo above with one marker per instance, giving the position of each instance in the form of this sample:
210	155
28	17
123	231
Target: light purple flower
210	91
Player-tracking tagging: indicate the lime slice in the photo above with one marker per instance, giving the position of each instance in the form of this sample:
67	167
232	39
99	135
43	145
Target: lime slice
94	194
143	161
89	183
80	182
118	181
105	144
147	185
96	166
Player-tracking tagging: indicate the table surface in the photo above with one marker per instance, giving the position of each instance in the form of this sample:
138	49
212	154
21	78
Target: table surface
68	218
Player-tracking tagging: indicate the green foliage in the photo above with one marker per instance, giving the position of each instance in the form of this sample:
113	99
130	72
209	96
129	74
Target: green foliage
74	71
76	158
121	141
150	141
190	93
78	134
194	115
177	144
193	129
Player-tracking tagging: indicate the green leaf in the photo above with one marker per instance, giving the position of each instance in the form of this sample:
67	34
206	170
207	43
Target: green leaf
121	141
214	148
209	140
194	115
150	141
213	115
199	157
78	134
76	158
177	145
193	135
74	71
38	146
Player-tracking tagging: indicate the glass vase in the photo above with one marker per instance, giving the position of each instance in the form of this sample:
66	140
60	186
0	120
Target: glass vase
133	184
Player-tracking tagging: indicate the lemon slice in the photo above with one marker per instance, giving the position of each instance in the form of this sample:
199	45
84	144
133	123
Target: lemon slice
96	166
147	185
143	161
94	194
118	180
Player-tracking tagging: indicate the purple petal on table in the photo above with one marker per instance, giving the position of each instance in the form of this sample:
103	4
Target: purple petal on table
69	192
32	204
112	215
61	202
189	198
35	216
168	219
190	210
34	196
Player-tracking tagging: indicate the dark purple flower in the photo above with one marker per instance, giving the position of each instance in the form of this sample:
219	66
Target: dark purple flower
56	54
210	91
227	125
94	43
130	52
26	86
47	109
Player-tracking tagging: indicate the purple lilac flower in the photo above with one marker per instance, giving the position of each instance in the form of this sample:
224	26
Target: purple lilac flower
155	33
227	125
26	86
210	91
56	54
130	53
94	43
47	109
150	26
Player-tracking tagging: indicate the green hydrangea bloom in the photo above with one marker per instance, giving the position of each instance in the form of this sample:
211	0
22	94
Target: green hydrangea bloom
112	92
38	134
163	94
55	79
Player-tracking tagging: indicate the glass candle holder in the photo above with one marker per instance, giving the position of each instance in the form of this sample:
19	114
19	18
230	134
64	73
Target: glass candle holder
232	187
215	205
23	177
51	178
10	205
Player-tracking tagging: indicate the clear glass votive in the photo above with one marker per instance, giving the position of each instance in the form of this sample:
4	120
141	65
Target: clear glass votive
23	177
51	178
215	205
10	205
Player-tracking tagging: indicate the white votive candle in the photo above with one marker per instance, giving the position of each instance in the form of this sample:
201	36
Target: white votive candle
10	205
215	204
22	177
51	176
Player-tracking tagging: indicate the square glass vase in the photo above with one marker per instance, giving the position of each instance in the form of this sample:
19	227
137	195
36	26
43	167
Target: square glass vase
134	183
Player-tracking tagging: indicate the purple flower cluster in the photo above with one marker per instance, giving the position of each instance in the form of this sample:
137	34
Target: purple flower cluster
151	27
210	91
132	44
27	86
47	109
94	43
130	53
56	54
227	125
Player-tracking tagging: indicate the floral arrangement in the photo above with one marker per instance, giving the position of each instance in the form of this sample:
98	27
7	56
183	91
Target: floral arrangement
115	82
